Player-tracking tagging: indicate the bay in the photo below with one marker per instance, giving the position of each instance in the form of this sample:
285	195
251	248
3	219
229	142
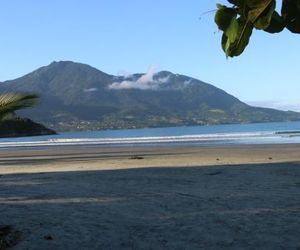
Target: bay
255	133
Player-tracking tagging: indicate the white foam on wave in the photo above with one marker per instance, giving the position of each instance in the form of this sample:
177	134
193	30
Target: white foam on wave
142	140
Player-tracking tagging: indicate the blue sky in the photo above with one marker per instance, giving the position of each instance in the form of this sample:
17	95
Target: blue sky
118	36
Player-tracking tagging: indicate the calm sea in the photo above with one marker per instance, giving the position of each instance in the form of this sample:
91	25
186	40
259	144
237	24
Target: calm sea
258	133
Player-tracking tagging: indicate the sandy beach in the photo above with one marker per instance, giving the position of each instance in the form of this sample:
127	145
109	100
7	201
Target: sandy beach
191	197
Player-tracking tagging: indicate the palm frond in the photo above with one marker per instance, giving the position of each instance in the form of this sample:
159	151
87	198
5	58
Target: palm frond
11	102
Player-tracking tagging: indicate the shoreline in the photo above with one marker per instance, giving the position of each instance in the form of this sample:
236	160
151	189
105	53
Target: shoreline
80	158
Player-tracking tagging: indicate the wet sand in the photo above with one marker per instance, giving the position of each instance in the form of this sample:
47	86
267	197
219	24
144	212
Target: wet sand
216	197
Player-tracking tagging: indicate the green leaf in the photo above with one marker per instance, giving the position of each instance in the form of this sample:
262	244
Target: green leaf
260	12
265	18
224	16
224	42
277	24
236	37
290	12
232	30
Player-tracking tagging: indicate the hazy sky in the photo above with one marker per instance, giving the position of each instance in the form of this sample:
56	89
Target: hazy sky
128	36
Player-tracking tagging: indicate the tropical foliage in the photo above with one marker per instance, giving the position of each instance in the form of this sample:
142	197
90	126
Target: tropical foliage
238	20
11	102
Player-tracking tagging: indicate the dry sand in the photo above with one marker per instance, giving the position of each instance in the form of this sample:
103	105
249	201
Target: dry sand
221	197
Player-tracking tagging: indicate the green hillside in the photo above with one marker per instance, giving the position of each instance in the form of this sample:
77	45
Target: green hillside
76	96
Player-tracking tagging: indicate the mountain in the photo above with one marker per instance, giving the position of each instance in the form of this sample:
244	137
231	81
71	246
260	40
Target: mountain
76	96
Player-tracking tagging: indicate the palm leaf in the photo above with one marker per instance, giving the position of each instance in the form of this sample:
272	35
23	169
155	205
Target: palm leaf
11	102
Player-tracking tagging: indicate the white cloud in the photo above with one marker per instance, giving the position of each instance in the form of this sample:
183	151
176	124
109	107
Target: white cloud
164	79
90	90
146	81
187	82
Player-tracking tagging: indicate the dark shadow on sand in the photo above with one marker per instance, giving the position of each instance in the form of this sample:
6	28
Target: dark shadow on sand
220	207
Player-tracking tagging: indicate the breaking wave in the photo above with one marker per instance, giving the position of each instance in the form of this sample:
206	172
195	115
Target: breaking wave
201	138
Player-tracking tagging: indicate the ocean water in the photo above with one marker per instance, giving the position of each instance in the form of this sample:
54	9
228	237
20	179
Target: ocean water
257	133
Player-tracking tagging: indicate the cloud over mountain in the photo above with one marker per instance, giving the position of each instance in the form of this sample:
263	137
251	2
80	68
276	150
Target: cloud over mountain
144	82
90	90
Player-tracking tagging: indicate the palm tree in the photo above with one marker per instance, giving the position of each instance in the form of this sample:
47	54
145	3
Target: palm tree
11	102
